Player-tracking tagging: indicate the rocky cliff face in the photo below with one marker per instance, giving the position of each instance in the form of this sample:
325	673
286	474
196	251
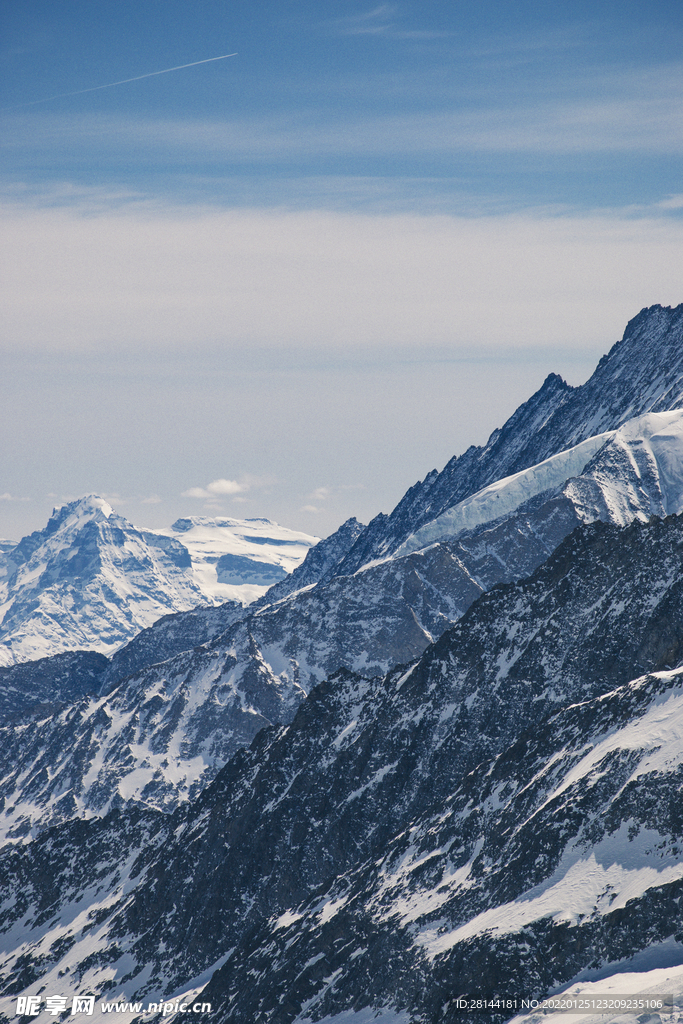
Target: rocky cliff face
48	683
493	818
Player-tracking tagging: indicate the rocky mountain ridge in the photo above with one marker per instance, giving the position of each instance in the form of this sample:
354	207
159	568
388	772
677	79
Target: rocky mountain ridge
499	815
192	706
641	373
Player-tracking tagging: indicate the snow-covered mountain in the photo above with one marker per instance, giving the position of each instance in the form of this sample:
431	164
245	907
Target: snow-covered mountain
480	794
388	611
91	580
254	665
617	476
236	559
641	373
496	819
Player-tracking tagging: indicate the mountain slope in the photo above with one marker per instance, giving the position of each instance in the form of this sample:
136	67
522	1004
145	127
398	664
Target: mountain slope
155	741
502	814
49	682
319	564
616	476
389	611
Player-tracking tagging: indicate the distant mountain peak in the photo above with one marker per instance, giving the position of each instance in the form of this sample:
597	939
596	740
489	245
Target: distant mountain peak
90	506
90	580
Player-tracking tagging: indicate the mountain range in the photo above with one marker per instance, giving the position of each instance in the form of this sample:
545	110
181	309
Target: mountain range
91	580
441	758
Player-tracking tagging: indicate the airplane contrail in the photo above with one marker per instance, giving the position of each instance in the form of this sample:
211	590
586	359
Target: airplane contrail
124	81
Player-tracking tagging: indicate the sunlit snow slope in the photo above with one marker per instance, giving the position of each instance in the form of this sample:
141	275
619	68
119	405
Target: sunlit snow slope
238	559
617	476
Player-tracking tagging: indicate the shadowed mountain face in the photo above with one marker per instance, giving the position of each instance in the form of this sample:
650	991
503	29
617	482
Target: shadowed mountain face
49	682
502	813
480	793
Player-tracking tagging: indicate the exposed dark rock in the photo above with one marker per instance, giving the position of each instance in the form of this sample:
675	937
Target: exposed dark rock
351	859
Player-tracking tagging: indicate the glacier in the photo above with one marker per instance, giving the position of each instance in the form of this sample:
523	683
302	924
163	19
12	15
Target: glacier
652	446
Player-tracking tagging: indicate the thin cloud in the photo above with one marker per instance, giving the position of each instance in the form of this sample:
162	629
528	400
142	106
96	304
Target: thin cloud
373	22
217	488
418	33
380	21
513	47
631	115
322	494
270	281
223	488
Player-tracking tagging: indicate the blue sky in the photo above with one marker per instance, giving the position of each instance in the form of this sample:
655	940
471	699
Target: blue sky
449	106
323	266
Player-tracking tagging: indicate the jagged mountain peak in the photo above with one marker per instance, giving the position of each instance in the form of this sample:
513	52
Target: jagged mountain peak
88	505
643	372
664	315
88	580
319	564
70	517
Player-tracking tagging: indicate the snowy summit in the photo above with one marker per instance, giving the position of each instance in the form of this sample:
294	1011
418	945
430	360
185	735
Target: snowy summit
91	580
